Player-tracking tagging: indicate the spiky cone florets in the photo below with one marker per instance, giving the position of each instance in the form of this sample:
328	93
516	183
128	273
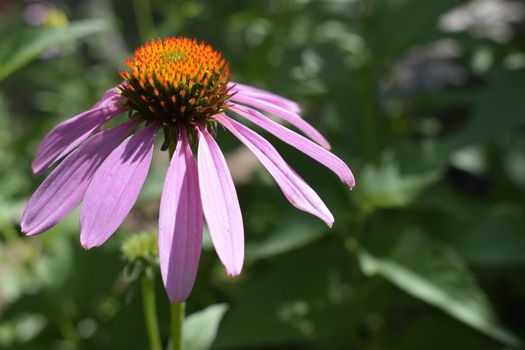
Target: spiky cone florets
176	81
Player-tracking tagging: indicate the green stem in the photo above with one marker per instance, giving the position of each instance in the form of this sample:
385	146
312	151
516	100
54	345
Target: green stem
150	311
144	19
177	325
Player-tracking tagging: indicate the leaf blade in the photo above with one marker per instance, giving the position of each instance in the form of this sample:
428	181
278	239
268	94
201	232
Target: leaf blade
38	41
433	273
201	327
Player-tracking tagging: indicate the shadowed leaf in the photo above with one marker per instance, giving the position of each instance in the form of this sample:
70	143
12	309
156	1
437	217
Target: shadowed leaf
432	272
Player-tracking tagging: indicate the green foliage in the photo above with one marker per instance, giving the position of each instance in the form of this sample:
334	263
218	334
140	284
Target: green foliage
434	273
383	186
289	237
200	328
23	46
502	227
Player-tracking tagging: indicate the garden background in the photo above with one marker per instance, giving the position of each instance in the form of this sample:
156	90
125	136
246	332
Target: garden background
423	99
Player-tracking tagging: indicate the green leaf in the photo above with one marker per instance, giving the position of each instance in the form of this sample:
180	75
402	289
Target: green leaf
200	328
290	299
496	239
432	272
422	28
383	186
498	110
292	236
23	46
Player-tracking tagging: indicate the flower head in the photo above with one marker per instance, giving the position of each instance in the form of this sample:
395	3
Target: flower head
176	81
183	88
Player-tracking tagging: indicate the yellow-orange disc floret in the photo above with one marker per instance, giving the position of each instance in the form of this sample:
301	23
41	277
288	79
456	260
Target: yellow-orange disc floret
176	80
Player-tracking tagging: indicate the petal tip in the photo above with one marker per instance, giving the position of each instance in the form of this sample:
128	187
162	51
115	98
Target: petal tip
348	178
87	244
234	271
37	169
25	230
30	230
329	221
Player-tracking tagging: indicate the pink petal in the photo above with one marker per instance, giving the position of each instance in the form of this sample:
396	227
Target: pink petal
260	94
115	187
291	117
67	135
180	223
220	204
110	96
295	189
64	188
301	143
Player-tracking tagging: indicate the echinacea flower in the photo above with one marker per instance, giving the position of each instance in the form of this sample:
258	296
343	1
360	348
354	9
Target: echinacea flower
182	88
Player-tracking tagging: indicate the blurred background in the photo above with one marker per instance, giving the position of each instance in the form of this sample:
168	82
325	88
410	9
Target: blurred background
424	101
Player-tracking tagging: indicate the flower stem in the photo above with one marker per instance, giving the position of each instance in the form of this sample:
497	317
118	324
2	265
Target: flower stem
177	325
150	311
177	309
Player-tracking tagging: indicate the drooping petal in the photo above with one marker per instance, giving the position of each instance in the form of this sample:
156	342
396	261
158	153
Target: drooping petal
296	190
304	145
180	223
67	135
220	204
265	96
115	187
63	189
291	117
109	97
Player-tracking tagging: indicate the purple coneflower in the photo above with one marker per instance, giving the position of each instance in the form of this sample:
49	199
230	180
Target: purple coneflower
182	88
